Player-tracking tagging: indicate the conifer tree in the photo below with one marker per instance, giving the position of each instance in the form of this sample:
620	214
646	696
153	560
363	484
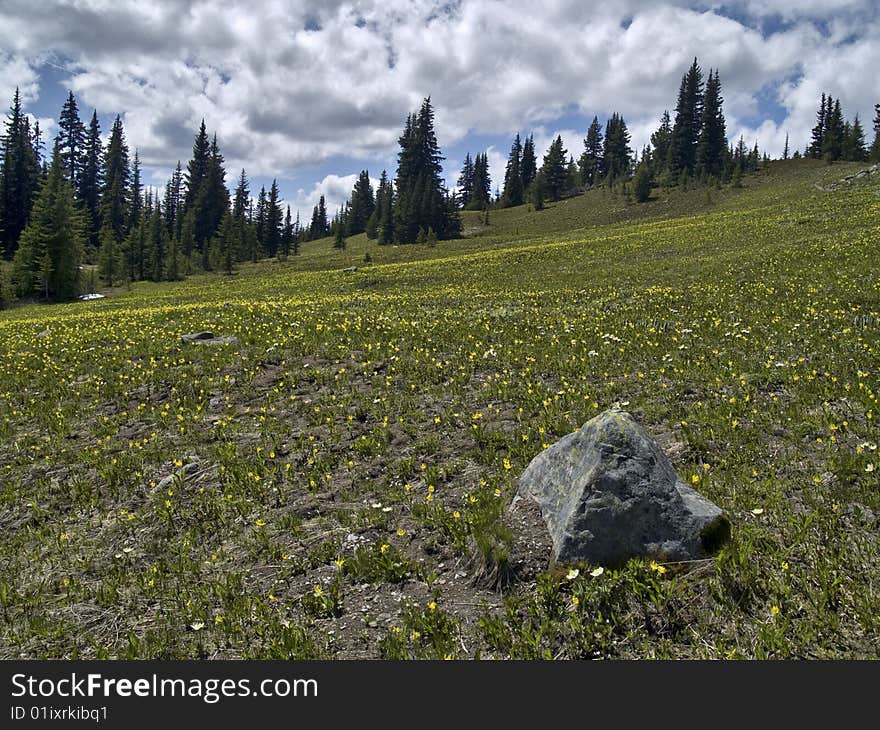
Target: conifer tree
173	203
71	140
661	140
617	154
385	211
361	206
286	236
114	197
155	244
274	221
319	226
529	164
513	184
134	211
421	201
874	152
688	119
51	246
817	142
854	146
554	170
297	235
111	261
712	145
643	179
465	183
482	194
785	150
91	180
241	200
226	242
832	145
591	159
19	177
260	218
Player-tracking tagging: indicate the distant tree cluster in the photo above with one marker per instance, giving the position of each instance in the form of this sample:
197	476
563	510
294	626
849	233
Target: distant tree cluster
835	138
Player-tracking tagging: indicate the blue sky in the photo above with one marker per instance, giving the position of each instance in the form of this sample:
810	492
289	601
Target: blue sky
312	92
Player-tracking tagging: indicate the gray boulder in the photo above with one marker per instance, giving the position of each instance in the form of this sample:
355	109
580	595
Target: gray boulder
196	336
608	493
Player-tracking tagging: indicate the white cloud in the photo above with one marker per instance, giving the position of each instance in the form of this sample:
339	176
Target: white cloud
288	84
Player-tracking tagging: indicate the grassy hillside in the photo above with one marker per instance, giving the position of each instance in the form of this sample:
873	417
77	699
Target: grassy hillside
334	484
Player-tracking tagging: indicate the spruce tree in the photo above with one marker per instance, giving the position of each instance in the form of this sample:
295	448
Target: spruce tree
832	144
465	183
855	142
114	198
385	211
482	194
51	248
421	201
241	199
226	243
71	140
91	180
136	194
173	203
661	140
361	206
260	218
286	236
712	145
319	226
554	170
529	164
785	150
274	221
643	179
157	237
817	141
111	262
688	120
617	154
591	159
513	187
874	152
19	177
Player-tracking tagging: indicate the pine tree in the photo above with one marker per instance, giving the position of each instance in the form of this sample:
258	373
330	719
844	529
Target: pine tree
273	222
319	226
52	244
712	145
19	177
226	243
832	145
617	154
465	183
785	150
385	211
173	203
513	187
297	235
421	200
591	159
817	141
241	198
529	164
114	198
643	179
874	152
661	140
482	194
554	170
688	119
197	167
91	181
71	140
286	236
111	262
854	147
136	193
157	237
362	205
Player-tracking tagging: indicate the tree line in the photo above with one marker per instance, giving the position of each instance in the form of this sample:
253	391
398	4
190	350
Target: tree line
86	203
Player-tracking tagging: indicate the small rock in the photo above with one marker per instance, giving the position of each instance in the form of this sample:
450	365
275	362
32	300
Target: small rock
350	269
41	335
225	340
609	493
197	336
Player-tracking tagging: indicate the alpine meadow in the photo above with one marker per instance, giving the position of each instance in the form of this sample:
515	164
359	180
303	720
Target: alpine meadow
241	420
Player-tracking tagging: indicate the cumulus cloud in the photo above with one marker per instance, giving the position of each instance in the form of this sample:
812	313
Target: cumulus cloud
291	84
